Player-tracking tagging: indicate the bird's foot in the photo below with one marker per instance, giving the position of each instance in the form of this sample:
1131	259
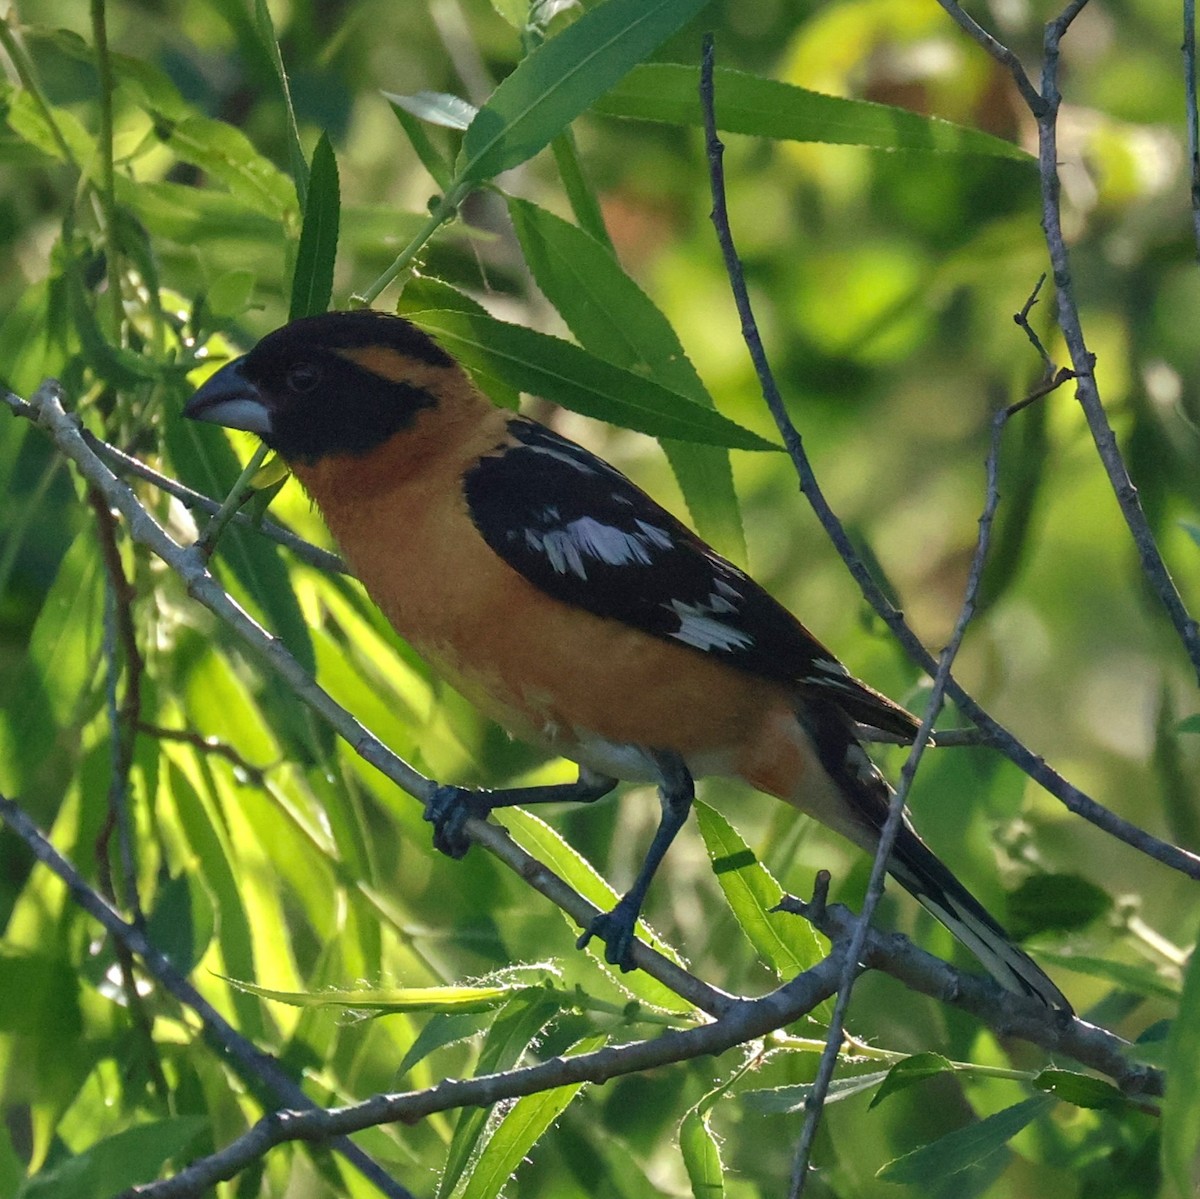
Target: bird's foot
616	930
448	810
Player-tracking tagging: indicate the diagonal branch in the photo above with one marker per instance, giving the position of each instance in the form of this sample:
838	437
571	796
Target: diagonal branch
997	735
191	566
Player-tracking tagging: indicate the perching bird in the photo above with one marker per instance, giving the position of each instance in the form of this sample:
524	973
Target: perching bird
571	608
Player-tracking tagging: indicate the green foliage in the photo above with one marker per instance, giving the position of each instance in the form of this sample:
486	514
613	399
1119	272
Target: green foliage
265	169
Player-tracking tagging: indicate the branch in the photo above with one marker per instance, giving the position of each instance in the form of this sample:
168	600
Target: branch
1045	109
891	827
997	735
191	566
125	464
256	1068
1006	1014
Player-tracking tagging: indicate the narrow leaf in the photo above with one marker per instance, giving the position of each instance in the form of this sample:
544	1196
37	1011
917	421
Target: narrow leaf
768	108
701	1156
270	44
539	839
1080	1089
383	1000
433	160
787	945
1181	1107
521	1129
611	316
438	108
782	1101
909	1071
557	370
561	78
312	282
512	1032
964	1147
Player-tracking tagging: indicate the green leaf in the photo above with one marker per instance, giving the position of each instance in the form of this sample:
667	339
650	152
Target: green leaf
768	108
701	1156
312	282
786	944
563	77
1080	1089
1061	902
438	108
385	1000
520	1129
964	1147
424	293
557	370
783	1101
229	157
434	161
539	839
512	1032
611	316
909	1071
270	44
125	1159
1181	1105
42	130
182	921
439	1031
1189	724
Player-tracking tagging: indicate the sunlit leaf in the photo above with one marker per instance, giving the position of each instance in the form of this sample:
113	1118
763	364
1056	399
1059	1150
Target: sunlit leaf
767	108
557	370
561	78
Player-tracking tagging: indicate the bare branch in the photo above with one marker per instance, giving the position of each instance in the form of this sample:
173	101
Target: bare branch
1008	1015
251	1064
191	566
1044	107
996	734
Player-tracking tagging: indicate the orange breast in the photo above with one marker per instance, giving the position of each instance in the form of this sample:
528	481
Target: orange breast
545	670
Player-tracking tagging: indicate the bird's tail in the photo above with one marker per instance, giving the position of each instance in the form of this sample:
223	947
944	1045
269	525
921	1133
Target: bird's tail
914	865
922	874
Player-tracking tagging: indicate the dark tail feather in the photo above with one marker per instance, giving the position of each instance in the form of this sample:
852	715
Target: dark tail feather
917	869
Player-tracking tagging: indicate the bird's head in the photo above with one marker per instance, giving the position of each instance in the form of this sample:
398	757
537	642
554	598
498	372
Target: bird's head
339	383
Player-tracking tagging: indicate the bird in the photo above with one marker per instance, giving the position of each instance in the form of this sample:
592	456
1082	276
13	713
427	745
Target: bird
573	609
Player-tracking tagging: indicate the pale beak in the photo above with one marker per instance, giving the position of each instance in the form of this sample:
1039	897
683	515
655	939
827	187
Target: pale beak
228	398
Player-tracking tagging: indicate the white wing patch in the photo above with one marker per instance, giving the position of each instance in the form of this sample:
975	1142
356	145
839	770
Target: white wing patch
567	548
699	627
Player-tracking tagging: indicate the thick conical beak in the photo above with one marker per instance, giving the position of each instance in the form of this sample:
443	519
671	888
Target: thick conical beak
228	398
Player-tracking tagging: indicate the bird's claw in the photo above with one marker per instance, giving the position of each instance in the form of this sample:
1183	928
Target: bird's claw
615	929
448	810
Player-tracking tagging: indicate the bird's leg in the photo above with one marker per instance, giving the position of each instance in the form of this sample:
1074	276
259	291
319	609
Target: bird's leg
449	808
616	928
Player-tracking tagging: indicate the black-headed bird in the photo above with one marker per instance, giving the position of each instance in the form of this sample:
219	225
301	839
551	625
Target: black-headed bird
572	608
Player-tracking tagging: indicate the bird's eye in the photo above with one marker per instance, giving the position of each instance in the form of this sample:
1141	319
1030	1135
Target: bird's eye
303	377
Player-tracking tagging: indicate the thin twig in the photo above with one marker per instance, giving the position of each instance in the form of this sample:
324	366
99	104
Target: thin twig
1045	110
257	775
126	464
1010	1015
998	737
1193	119
256	1068
891	828
191	566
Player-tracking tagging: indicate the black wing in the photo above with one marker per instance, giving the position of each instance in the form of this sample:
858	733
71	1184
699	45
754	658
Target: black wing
582	532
